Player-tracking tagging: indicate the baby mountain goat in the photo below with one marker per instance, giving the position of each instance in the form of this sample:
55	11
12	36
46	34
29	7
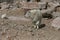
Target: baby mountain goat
36	17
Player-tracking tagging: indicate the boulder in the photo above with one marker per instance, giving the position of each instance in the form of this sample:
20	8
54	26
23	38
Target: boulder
56	23
56	14
4	5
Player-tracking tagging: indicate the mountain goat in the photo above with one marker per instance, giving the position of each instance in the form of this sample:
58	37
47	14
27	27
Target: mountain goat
36	17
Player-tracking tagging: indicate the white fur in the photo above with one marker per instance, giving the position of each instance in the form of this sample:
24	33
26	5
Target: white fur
36	16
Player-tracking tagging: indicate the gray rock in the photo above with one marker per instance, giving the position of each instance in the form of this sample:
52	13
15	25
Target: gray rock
56	23
4	5
56	14
42	5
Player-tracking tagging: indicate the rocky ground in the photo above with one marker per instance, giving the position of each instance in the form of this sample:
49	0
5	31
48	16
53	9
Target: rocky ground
21	30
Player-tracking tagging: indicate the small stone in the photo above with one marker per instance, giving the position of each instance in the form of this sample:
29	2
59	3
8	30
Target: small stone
31	30
32	34
4	16
3	33
0	29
